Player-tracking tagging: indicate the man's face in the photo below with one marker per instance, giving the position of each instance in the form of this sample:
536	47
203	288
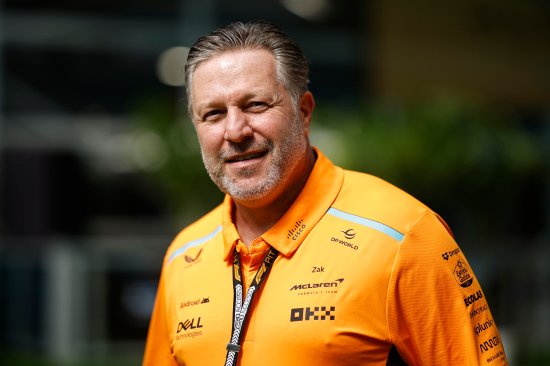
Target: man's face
252	139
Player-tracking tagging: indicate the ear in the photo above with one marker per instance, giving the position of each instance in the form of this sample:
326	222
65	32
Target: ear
307	105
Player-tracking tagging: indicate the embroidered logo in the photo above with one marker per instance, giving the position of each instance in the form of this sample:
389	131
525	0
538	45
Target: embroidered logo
190	259
349	234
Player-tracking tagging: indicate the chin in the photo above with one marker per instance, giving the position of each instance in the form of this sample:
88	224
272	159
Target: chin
250	192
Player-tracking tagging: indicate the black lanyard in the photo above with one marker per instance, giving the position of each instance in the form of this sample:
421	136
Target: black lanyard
240	308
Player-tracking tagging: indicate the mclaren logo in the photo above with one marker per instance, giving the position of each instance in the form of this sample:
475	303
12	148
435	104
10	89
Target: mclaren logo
316	285
349	233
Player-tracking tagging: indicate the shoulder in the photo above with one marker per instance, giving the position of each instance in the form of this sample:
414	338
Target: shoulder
374	199
371	188
197	233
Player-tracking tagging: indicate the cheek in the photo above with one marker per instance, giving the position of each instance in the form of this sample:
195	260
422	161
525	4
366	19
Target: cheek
286	129
274	127
210	138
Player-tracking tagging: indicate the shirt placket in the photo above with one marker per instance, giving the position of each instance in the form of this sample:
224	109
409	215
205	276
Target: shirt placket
251	259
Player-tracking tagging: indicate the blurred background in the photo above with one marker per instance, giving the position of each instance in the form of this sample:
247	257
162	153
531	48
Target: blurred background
99	166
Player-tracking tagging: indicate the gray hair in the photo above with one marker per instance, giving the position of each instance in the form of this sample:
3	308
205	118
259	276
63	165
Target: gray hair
292	67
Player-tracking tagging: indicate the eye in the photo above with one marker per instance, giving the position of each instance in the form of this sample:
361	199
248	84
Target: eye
212	115
257	106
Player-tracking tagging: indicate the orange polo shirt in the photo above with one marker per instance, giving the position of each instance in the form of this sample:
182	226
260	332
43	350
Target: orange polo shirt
366	275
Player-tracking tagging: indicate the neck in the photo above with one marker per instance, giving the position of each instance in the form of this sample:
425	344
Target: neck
254	219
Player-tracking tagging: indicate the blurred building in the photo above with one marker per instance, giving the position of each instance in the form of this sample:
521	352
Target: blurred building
91	91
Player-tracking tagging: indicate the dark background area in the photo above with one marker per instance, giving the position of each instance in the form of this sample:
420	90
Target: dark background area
100	168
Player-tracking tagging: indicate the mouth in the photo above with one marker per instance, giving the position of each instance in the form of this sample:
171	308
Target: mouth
244	157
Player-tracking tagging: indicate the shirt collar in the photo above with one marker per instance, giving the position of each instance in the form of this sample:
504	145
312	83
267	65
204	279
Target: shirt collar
312	203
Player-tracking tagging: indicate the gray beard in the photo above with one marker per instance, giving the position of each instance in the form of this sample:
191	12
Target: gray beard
285	158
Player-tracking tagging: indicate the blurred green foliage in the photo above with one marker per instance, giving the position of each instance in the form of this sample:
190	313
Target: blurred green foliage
181	179
478	165
436	145
474	164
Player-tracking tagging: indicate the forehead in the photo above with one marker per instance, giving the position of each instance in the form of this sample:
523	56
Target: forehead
243	56
231	71
250	55
236	63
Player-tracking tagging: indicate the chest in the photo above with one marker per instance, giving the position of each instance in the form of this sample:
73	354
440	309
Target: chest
323	305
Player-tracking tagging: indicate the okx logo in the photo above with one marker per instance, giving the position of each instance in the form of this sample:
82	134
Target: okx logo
312	313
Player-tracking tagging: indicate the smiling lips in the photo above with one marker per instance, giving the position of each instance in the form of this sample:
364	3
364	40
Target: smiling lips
244	157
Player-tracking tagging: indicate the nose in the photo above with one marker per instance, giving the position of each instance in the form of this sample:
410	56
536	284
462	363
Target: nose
237	126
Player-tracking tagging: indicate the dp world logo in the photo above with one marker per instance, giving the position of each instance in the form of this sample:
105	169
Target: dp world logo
349	233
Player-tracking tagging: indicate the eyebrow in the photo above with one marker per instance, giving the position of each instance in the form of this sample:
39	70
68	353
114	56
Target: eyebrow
273	98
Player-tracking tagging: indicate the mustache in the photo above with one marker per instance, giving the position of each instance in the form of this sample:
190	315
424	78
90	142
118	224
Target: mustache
244	147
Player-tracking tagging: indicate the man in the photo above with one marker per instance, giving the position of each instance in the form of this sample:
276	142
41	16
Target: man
303	263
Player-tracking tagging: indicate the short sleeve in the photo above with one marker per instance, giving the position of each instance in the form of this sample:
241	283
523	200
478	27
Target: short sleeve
437	311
